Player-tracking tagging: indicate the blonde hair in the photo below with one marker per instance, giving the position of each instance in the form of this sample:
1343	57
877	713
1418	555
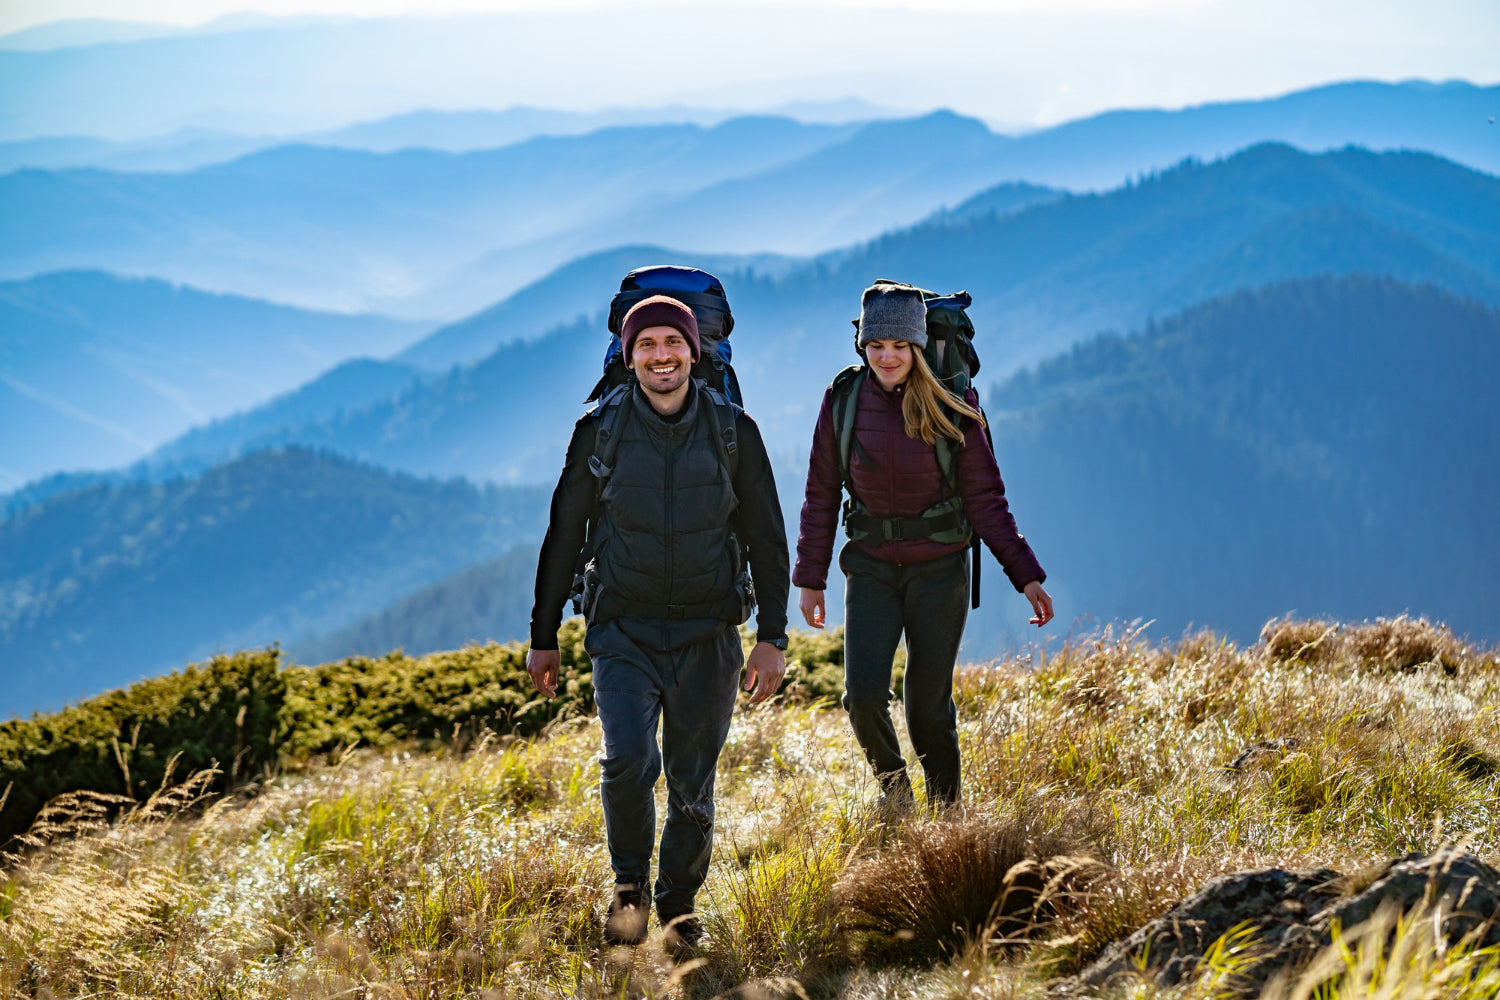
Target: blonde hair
926	398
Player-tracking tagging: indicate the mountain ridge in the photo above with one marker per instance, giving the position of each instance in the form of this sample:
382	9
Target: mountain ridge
425	235
1043	278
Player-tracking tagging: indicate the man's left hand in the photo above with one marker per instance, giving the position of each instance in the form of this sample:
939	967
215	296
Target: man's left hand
764	671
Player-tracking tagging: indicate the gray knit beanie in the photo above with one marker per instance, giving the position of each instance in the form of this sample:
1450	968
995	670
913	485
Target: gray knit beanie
890	310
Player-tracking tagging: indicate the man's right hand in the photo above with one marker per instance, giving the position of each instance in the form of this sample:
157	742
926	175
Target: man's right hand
810	602
543	666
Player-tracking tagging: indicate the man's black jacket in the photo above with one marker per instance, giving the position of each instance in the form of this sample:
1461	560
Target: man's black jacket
758	522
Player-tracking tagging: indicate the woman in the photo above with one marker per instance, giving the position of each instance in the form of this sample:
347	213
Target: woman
906	565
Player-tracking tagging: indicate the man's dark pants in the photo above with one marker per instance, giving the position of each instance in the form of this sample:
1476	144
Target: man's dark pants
930	601
691	690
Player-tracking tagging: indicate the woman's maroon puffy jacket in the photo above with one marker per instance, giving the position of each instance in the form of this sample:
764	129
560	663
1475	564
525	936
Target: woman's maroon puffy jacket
898	476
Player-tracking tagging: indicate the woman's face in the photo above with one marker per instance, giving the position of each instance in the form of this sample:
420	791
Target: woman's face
890	360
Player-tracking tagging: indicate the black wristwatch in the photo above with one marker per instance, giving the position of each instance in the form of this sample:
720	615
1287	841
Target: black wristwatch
778	643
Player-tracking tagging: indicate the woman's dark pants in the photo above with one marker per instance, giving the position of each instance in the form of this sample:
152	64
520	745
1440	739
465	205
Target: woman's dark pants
930	602
691	691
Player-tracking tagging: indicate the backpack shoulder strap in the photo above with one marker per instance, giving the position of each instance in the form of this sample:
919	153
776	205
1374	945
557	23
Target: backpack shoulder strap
845	404
610	412
947	448
722	416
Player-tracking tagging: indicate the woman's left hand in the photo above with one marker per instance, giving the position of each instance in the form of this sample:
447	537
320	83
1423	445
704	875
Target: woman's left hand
1041	603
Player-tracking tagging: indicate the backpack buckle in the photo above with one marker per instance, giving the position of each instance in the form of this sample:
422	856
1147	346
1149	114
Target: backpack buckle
890	528
676	612
598	468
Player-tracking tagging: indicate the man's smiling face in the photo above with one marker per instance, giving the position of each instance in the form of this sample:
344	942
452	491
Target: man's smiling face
662	359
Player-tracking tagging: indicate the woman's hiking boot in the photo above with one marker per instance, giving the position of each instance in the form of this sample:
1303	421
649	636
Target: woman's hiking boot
682	935
625	921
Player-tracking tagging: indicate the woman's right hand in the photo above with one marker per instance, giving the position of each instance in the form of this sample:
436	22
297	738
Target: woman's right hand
811	603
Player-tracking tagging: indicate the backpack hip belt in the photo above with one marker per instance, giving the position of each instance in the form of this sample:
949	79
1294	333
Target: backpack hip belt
731	609
944	523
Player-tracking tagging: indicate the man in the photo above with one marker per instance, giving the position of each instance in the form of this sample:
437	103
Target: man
662	596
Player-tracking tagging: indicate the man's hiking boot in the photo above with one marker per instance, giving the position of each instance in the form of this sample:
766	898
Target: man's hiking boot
625	922
682	935
896	802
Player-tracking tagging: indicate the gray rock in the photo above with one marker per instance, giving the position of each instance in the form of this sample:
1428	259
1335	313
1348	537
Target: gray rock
1465	889
1291	916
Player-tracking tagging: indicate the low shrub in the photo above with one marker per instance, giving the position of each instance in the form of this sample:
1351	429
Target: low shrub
942	885
224	713
1386	644
1403	643
1289	640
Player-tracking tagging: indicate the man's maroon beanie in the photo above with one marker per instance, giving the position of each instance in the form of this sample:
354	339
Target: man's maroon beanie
659	310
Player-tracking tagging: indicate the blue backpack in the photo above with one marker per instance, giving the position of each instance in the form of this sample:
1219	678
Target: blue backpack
699	291
702	293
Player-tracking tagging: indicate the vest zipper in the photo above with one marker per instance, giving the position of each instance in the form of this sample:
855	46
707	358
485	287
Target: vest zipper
667	545
667	538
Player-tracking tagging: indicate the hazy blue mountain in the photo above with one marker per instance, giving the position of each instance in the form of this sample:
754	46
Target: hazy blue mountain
462	131
1326	446
286	76
448	131
82	31
489	600
1449	119
1075	240
182	150
344	229
888	174
344	389
885	174
504	419
1050	275
1000	200
101	586
1043	278
96	369
423	233
579	290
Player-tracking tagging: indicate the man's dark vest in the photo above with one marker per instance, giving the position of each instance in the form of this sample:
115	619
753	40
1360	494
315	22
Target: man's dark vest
663	541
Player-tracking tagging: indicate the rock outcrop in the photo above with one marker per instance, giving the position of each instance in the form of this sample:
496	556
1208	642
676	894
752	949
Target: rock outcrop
1288	917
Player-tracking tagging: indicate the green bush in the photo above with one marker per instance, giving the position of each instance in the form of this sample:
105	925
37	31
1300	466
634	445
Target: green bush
244	711
440	695
224	712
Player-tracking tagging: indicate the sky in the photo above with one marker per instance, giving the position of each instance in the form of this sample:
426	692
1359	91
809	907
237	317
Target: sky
1014	63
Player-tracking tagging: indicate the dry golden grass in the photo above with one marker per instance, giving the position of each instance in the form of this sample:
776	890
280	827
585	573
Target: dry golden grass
1098	791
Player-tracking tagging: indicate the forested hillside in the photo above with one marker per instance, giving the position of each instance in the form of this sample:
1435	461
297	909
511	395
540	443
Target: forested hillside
489	600
1326	446
103	585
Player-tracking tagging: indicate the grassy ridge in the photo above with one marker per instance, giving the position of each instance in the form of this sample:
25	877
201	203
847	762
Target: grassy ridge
1127	772
246	712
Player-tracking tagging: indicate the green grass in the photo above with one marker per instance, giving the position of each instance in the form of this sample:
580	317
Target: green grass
458	867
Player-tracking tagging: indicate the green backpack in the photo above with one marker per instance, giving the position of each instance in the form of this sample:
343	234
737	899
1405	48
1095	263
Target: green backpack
951	356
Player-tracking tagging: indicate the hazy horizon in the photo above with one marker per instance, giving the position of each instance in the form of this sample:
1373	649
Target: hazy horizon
1015	65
